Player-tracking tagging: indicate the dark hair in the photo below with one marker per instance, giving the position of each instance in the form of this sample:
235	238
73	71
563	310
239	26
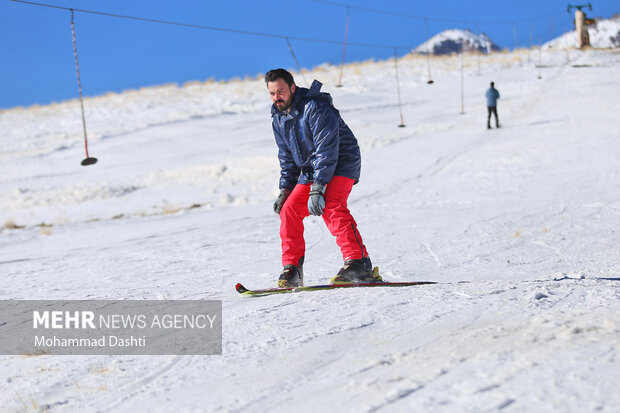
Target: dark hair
275	74
492	84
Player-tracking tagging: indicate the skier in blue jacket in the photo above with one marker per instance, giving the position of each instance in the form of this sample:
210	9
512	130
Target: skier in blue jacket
492	95
319	164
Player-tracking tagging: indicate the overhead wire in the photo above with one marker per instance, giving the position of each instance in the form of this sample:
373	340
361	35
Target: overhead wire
412	16
285	36
212	28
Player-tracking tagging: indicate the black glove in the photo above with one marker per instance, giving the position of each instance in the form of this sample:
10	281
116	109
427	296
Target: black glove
277	205
316	202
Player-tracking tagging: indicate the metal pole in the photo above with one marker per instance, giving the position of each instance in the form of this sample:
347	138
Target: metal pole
530	45
478	51
539	61
88	160
551	29
400	106
462	86
514	30
290	48
344	48
566	49
428	54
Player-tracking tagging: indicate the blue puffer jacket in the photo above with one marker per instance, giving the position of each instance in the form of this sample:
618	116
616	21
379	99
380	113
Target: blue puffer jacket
314	143
492	96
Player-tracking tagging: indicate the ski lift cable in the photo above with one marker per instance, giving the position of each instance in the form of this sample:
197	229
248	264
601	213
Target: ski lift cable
212	28
411	16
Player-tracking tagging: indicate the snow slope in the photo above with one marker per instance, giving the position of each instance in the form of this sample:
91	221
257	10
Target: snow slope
455	40
519	225
604	34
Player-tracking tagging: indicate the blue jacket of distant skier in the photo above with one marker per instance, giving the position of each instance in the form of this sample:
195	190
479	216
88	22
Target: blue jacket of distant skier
492	96
314	143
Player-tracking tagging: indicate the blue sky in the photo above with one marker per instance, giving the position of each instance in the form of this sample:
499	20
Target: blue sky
36	54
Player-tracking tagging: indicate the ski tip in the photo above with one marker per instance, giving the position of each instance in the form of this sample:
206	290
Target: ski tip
240	288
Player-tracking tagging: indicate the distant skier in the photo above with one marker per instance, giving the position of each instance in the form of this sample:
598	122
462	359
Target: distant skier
319	164
492	95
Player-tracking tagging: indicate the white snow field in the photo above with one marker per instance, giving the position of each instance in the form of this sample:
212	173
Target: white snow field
519	225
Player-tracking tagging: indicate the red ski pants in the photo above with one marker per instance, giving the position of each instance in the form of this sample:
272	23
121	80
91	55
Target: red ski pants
336	216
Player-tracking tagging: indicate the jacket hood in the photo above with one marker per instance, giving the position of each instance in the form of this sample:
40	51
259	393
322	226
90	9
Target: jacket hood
315	89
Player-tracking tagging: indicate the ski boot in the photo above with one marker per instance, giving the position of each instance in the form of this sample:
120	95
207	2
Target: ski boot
357	272
292	276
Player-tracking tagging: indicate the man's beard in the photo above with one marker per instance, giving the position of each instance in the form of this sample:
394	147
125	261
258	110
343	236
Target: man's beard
282	105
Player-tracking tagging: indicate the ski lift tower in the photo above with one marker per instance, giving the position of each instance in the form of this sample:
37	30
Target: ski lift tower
583	38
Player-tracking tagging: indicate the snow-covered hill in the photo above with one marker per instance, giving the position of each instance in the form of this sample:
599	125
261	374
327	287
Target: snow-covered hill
604	34
455	40
519	226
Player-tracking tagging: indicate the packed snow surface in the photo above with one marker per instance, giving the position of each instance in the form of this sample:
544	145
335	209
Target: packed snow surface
519	225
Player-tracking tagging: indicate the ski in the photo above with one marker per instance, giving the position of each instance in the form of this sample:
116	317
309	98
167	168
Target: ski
269	291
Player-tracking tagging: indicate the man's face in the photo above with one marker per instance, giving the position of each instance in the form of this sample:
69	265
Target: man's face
281	95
